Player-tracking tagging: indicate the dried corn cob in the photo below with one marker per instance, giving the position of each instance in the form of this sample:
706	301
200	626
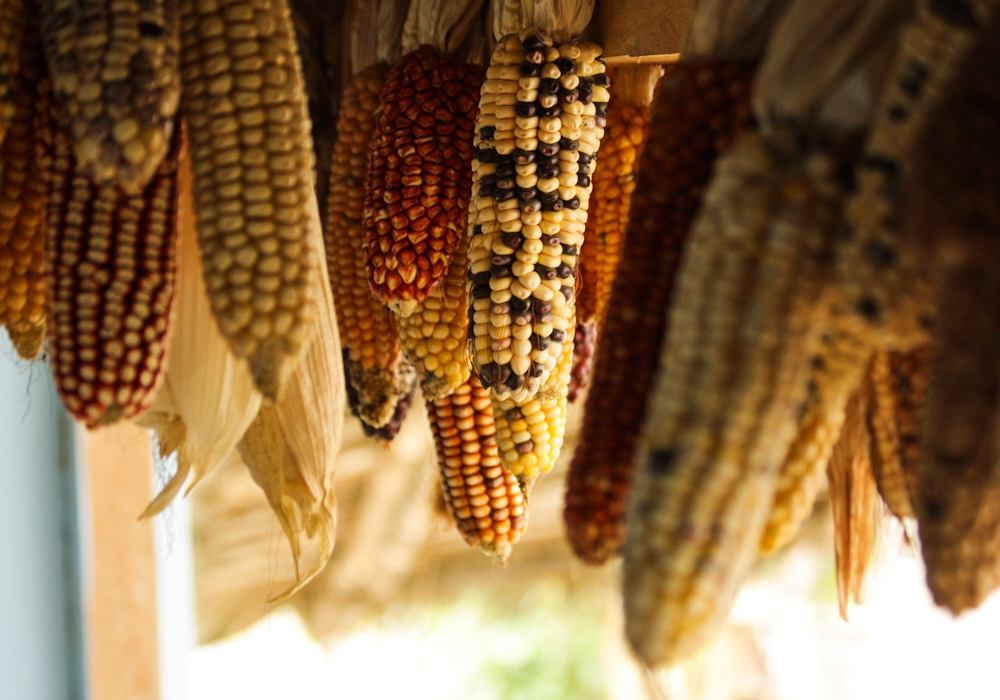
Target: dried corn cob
584	344
111	260
897	388
745	318
541	121
114	67
18	54
483	498
614	181
22	239
697	112
401	406
252	159
837	371
378	375
418	184
434	334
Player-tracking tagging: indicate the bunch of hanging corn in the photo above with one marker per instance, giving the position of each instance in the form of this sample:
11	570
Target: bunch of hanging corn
483	498
416	196
697	112
542	116
378	376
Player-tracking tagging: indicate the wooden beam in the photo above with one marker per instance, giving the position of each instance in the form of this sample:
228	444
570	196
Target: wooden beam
653	60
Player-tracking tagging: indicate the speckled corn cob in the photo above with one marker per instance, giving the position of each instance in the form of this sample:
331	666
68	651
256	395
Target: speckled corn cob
18	50
883	271
542	116
110	277
378	374
584	345
252	158
897	389
418	185
401	406
837	370
745	317
696	114
614	181
114	66
483	498
434	335
22	240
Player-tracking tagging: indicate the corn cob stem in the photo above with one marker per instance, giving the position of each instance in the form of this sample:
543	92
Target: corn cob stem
541	120
484	499
114	66
252	159
697	112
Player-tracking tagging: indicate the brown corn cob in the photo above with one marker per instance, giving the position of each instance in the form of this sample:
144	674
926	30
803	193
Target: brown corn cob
110	277
416	197
252	158
614	181
18	51
388	430
22	240
483	498
697	112
114	66
837	370
584	345
541	121
897	388
434	334
378	375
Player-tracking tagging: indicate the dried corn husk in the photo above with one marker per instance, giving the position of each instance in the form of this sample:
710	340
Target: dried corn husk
372	31
564	20
208	398
444	24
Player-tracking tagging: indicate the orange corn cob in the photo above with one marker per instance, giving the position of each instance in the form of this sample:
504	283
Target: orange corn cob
419	181
18	52
697	112
483	498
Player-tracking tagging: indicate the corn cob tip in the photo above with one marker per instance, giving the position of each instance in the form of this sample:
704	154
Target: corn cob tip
378	392
28	339
269	367
404	308
500	551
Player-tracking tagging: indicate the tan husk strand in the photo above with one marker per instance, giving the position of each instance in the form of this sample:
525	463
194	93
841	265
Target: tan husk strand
111	261
114	66
542	117
418	184
697	112
483	498
252	157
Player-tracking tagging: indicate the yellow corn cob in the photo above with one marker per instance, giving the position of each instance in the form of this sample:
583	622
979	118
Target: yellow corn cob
837	371
434	335
252	158
18	51
542	114
483	498
378	375
111	261
22	239
114	66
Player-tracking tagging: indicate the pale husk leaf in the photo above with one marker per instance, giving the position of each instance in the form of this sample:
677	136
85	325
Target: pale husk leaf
564	20
391	18
444	24
634	85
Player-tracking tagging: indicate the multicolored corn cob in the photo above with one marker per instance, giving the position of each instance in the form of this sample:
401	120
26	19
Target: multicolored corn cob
416	197
542	117
251	151
378	375
584	345
402	403
434	335
111	262
114	67
18	52
22	240
483	498
696	114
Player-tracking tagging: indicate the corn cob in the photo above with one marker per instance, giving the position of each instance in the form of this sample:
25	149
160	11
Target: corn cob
401	406
745	317
434	334
378	376
114	66
542	116
614	181
884	272
418	184
837	372
696	114
897	387
22	240
483	499
18	53
584	345
110	265
252	159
